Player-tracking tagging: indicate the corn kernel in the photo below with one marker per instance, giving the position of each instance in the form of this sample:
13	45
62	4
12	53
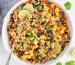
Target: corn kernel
61	31
48	43
35	46
43	19
54	55
52	5
46	8
24	32
66	36
35	42
15	54
33	32
47	20
24	57
31	53
42	37
57	10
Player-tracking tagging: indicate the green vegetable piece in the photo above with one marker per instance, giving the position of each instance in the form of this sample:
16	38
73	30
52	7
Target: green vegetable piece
59	63
67	63
73	53
72	62
15	25
28	33
28	7
68	5
48	27
40	57
21	44
35	52
19	29
40	7
57	48
23	14
32	38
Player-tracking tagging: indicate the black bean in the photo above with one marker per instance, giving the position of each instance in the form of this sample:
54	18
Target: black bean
20	53
42	23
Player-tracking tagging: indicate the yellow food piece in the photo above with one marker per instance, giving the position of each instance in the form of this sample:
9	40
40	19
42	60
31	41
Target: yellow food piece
47	20
54	55
43	19
48	43
35	46
24	57
52	5
12	33
33	32
24	32
36	42
46	8
73	53
54	27
42	37
61	31
15	54
42	41
57	10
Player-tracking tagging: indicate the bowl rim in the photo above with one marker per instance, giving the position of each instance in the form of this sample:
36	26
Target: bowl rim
4	35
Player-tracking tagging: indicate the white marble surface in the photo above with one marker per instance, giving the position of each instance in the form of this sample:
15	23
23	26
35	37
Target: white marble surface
66	57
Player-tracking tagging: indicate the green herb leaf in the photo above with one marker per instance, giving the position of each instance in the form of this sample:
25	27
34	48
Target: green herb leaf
28	33
35	52
32	38
40	7
59	63
68	5
48	27
70	63
19	29
40	57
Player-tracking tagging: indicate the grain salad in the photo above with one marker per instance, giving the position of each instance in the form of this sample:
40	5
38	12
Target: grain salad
39	30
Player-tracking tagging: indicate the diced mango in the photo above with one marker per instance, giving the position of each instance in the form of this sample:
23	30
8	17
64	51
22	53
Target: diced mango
54	55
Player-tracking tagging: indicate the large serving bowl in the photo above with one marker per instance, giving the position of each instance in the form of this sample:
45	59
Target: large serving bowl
5	34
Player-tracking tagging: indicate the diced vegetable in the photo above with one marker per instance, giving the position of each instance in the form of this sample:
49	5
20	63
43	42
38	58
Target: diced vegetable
40	7
32	38
28	33
48	27
28	7
19	29
39	28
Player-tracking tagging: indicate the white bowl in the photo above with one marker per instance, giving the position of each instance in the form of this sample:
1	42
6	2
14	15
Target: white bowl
5	35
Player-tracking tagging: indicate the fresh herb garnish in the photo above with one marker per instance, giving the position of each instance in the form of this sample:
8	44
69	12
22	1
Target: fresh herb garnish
28	33
48	27
72	62
68	5
32	38
59	63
